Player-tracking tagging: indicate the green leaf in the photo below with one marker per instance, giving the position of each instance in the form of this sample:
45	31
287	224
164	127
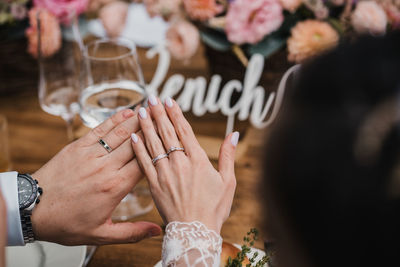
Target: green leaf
216	40
335	23
268	46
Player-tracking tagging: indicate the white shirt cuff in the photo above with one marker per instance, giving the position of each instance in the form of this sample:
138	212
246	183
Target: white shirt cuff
9	189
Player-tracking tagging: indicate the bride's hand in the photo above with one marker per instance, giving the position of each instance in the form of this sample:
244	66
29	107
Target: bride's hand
185	186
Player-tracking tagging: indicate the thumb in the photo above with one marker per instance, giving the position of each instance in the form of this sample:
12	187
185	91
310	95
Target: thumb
128	232
226	161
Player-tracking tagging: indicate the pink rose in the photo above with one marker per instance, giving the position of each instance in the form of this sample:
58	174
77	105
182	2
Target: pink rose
50	33
183	40
114	24
63	9
250	21
369	17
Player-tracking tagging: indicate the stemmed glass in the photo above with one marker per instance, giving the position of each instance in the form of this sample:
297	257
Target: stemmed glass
59	76
112	80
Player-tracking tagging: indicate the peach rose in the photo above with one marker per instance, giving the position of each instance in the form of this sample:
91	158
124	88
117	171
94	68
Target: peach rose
183	40
369	17
164	8
50	33
113	16
309	38
291	5
202	9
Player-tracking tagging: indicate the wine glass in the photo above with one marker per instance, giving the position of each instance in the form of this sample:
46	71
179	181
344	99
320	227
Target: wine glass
59	76
112	80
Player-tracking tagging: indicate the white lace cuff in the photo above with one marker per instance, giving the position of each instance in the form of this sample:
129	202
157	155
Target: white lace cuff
191	244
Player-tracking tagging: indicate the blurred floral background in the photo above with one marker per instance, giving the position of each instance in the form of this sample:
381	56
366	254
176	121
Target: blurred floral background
304	27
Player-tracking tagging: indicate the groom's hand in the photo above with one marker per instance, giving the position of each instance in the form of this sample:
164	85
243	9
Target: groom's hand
84	183
3	230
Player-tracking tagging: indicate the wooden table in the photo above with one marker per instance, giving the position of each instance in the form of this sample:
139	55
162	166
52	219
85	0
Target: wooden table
36	136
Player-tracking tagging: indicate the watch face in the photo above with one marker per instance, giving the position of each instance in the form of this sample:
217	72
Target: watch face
26	192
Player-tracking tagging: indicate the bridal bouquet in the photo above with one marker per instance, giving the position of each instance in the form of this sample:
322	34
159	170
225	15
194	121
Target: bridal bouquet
305	27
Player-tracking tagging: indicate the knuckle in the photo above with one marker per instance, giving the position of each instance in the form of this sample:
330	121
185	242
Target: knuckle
169	132
226	154
122	132
146	126
108	186
98	131
115	118
182	130
135	237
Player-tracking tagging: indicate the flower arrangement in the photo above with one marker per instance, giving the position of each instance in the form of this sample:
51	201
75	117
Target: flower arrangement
54	14
305	27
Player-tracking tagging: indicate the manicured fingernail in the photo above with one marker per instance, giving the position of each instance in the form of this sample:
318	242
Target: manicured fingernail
143	113
169	102
134	138
127	113
153	100
235	138
154	232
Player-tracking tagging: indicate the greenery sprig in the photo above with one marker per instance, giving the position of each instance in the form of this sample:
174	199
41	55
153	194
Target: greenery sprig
249	240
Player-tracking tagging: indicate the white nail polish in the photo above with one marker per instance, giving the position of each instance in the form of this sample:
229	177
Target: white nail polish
153	100
143	113
134	138
235	138
169	102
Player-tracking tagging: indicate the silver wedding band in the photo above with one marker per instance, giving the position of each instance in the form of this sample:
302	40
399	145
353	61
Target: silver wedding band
165	155
173	149
105	145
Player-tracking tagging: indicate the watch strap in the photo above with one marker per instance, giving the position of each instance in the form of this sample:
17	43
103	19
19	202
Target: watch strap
26	224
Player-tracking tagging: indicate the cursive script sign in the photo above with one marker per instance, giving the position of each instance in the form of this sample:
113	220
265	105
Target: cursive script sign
195	95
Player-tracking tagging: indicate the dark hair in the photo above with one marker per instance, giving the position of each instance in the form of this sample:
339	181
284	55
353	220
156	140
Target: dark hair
333	157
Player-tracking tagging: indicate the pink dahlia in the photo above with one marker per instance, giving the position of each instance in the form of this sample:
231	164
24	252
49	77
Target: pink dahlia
50	33
202	9
63	9
250	21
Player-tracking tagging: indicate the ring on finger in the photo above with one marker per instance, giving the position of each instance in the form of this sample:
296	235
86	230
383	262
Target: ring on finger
105	145
161	156
174	148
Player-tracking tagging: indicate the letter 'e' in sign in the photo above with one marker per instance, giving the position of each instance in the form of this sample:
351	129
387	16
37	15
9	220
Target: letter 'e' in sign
195	96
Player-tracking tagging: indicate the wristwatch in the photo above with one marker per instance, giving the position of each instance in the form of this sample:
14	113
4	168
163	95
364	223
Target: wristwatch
28	197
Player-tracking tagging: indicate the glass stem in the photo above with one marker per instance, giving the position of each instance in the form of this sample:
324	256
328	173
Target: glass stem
70	129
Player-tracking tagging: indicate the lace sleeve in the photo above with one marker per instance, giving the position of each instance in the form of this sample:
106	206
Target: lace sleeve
190	245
